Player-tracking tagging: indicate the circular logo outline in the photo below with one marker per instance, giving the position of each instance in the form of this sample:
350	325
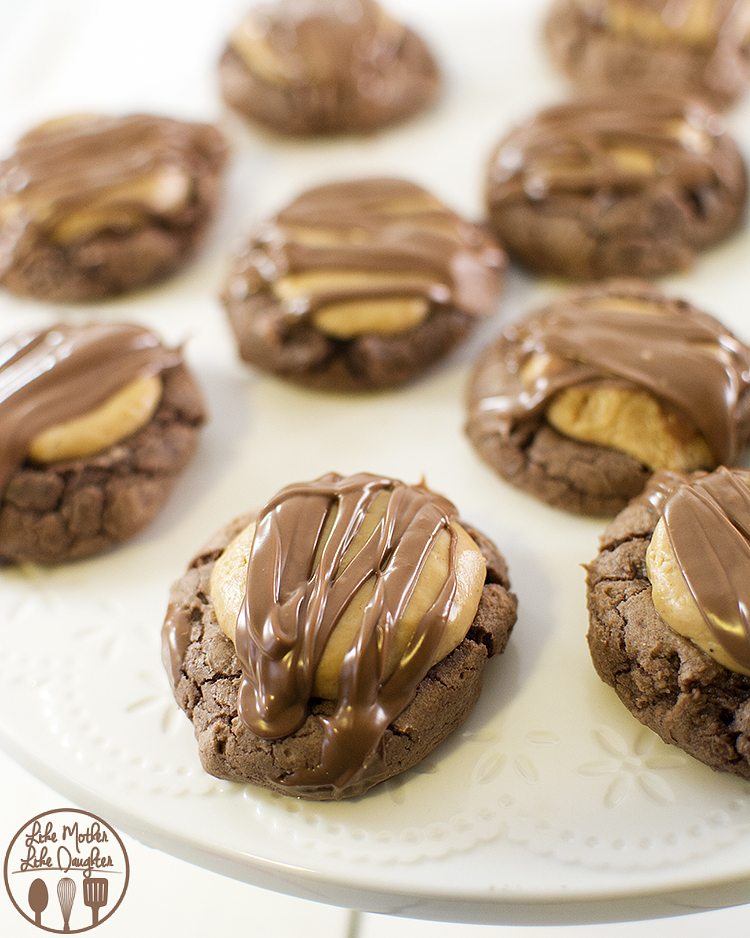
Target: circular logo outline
44	814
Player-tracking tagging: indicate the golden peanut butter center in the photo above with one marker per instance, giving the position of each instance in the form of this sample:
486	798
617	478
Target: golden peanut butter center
674	602
288	61
124	206
123	414
127	205
692	22
364	312
122	203
230	572
632	422
637	161
250	41
349	318
628	420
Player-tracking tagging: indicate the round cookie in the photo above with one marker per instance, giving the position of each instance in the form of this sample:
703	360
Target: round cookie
316	67
96	422
616	185
665	677
93	206
579	403
700	48
329	679
360	285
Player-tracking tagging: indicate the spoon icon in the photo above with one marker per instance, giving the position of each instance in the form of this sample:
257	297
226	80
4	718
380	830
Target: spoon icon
38	898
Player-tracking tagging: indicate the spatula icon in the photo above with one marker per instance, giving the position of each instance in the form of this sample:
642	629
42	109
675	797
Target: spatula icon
94	895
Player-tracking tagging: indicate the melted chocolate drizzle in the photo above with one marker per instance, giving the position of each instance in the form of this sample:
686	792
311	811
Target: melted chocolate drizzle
382	226
707	521
683	357
576	149
65	166
175	638
327	43
298	587
50	377
728	24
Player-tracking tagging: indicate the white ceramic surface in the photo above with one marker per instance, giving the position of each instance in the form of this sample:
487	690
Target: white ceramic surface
552	792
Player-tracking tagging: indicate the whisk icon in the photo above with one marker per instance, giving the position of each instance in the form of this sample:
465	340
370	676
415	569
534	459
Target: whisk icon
66	893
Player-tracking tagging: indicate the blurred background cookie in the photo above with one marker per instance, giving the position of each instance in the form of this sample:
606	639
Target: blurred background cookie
326	66
623	184
94	206
694	47
668	600
361	284
582	401
96	422
333	641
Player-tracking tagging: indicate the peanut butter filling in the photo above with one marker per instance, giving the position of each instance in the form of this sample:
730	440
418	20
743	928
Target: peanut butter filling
699	24
605	143
370	257
73	177
348	588
624	367
698	563
162	192
693	22
230	574
316	42
632	422
120	416
72	391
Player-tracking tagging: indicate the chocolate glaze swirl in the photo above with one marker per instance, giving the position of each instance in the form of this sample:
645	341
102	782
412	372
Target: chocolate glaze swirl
52	376
67	165
324	42
707	520
683	357
298	587
606	144
381	226
725	24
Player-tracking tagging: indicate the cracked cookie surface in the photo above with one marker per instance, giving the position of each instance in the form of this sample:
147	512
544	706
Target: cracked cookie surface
109	204
578	477
665	680
677	376
690	47
207	678
302	68
69	510
600	187
360	285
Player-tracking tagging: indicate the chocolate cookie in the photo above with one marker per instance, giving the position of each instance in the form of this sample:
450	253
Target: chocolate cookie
337	640
689	47
316	67
684	545
94	206
582	401
616	185
360	285
96	422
